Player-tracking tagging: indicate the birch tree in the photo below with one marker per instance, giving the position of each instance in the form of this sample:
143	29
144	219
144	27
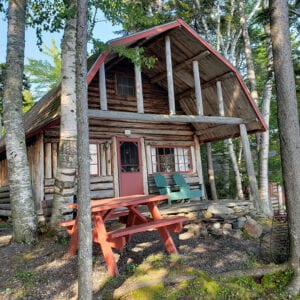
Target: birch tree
67	152
288	127
84	211
22	204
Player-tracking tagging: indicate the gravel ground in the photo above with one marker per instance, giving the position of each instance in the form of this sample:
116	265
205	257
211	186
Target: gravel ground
45	272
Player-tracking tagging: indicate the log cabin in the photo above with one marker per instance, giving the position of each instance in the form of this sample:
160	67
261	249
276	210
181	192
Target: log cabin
142	120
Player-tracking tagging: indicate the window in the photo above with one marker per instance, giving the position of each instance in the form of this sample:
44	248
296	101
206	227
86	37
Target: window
94	159
125	85
171	159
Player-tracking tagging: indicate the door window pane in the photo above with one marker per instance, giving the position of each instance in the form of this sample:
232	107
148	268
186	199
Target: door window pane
129	157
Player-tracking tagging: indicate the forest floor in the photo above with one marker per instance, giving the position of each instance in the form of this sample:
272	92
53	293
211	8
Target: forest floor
44	271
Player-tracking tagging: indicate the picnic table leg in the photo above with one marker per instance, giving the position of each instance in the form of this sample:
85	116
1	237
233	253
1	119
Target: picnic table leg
106	249
74	240
164	232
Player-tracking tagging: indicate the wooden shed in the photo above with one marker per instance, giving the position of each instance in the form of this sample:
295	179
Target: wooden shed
143	121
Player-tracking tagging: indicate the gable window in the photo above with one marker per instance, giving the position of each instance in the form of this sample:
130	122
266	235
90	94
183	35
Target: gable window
125	85
171	159
94	165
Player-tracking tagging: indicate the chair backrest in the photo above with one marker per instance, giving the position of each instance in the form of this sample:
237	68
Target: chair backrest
160	180
179	179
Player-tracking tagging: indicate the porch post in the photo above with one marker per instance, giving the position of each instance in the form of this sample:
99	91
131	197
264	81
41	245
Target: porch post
198	93
250	167
199	164
139	86
220	99
170	76
48	160
102	88
38	176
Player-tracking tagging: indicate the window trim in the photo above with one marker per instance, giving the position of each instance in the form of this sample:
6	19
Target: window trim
188	160
97	159
117	76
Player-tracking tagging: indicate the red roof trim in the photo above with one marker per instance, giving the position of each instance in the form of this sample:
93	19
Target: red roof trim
146	33
129	39
94	69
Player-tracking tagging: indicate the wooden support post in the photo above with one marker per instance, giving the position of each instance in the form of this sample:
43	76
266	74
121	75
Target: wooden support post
170	76
102	160
38	176
211	174
220	99
102	88
139	86
114	159
198	93
199	164
250	167
48	161
144	167
54	159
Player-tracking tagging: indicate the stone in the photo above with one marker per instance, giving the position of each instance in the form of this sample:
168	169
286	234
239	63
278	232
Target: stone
240	222
217	209
253	228
216	225
227	226
216	231
207	214
237	234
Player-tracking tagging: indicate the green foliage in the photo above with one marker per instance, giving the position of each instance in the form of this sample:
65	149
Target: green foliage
27	96
42	74
135	55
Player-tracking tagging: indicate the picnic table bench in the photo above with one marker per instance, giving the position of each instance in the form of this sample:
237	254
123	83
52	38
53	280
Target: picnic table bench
126	210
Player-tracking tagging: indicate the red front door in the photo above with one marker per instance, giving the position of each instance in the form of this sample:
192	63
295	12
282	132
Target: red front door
130	167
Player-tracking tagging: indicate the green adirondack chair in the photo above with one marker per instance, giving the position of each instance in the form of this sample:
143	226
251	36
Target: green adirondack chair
165	189
189	193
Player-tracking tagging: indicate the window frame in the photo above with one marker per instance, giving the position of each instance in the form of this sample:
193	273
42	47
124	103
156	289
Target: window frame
97	154
125	86
177	159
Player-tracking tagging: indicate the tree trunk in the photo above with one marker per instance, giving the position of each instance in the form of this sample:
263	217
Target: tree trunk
238	178
264	138
85	270
67	152
22	205
211	174
248	52
288	127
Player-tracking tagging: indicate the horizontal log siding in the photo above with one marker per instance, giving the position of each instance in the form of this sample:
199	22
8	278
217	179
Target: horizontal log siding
4	202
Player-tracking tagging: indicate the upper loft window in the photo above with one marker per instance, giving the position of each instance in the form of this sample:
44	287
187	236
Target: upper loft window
125	85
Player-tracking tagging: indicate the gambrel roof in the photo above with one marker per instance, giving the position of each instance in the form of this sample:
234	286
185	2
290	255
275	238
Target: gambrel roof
187	46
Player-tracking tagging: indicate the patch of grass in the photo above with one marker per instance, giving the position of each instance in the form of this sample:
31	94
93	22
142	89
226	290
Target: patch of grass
28	279
182	282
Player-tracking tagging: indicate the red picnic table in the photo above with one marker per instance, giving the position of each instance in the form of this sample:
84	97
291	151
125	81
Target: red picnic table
126	209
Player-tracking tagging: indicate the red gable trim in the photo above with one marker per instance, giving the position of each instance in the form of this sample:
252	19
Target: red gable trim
129	39
95	68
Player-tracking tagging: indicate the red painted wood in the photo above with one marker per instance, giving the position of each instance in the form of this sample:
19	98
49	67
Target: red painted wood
130	182
136	222
146	226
